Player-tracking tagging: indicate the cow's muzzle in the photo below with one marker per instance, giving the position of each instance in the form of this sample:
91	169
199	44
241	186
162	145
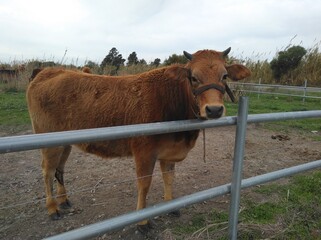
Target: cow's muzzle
214	111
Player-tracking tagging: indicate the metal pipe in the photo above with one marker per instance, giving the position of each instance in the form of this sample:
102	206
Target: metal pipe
35	141
270	117
237	167
299	88
272	176
283	94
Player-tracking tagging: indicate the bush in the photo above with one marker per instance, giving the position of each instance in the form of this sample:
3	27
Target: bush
286	61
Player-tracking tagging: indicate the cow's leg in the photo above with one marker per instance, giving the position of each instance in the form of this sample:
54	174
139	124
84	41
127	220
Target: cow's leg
168	171
145	164
50	162
62	198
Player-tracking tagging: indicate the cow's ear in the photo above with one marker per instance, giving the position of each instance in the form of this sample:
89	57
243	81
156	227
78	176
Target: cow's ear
176	72
237	72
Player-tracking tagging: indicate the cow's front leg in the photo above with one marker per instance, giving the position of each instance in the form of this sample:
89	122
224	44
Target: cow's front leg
144	169
168	171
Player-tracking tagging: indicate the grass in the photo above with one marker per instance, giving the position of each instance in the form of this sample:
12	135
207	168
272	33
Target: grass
215	221
271	104
296	205
13	111
289	211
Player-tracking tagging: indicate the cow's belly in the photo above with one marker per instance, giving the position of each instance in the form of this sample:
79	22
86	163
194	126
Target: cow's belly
107	149
175	150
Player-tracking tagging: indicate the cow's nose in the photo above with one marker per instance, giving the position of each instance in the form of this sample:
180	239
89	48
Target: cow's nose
214	111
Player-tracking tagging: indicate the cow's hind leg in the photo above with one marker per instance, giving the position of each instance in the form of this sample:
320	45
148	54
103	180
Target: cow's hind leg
51	158
144	169
168	171
62	198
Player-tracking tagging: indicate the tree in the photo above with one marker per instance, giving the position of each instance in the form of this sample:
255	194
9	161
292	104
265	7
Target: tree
114	58
91	64
142	61
156	62
132	59
174	58
286	61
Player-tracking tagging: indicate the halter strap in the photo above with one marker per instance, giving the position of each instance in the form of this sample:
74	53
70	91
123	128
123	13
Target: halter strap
230	93
202	89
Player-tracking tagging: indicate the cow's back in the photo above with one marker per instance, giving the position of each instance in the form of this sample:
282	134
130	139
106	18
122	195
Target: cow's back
62	100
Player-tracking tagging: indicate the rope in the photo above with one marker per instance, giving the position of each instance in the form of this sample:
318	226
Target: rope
204	146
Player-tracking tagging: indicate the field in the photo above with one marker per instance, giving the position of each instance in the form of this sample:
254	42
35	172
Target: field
101	189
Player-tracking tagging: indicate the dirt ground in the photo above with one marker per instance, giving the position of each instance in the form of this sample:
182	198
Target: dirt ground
100	189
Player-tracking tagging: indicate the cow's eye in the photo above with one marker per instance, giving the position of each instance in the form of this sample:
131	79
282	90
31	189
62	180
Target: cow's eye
194	81
224	77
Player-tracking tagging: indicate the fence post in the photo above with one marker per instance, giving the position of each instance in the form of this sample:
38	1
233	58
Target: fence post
259	90
305	90
237	166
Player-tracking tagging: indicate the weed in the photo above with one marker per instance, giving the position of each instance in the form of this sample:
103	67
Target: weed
268	104
287	211
13	109
261	213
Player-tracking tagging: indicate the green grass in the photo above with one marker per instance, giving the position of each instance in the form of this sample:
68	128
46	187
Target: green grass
289	211
297	205
272	104
212	222
14	113
13	109
262	213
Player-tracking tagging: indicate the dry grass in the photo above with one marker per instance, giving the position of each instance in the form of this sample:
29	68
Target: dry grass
309	68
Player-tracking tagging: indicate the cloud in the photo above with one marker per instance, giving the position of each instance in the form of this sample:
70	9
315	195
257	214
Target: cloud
159	28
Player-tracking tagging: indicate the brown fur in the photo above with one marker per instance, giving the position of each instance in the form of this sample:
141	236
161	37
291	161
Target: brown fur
60	100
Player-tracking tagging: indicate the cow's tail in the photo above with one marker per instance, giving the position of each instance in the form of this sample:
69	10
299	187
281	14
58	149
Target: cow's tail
34	73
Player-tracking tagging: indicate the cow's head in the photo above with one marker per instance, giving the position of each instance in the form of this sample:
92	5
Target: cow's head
208	73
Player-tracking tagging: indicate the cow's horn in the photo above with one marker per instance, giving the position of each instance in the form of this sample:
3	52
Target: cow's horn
188	55
226	52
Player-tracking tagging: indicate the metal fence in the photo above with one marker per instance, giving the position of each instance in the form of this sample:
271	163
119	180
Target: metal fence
34	141
273	89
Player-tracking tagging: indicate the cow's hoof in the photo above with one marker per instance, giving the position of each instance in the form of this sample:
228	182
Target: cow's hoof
65	205
176	213
145	228
55	216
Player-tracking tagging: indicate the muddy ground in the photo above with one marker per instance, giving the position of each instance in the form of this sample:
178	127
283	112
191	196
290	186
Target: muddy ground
101	189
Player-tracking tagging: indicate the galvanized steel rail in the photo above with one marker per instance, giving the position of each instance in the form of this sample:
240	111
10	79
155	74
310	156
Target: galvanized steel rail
35	141
273	89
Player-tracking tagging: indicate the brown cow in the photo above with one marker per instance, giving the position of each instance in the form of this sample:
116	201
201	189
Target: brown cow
61	100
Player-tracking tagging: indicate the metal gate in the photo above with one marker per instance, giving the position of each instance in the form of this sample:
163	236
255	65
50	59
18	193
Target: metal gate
35	141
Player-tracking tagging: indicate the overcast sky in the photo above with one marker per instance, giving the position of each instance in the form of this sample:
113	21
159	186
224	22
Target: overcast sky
43	30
